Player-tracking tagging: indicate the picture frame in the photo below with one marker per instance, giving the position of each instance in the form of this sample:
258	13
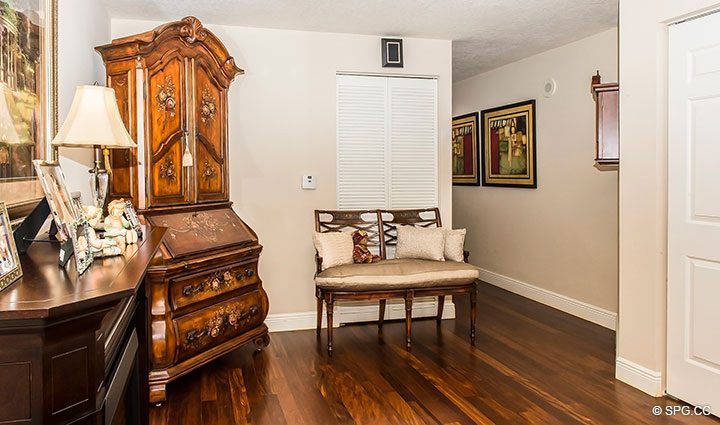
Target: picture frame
10	267
62	206
28	99
508	146
465	150
392	52
132	217
80	235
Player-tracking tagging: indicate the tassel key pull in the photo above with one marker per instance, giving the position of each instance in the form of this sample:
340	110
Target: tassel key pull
187	158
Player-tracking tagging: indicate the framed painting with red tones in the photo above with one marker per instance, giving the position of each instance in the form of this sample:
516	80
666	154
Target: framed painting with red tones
508	146
465	156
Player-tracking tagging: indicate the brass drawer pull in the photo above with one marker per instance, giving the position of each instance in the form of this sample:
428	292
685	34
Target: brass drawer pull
217	281
219	323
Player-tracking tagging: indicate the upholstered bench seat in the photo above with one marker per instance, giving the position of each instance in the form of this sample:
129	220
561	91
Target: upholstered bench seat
389	278
400	273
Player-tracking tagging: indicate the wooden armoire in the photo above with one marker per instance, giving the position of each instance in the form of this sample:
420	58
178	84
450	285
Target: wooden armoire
204	293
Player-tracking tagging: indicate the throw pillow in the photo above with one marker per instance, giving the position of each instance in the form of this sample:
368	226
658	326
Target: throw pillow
335	248
455	244
361	253
420	243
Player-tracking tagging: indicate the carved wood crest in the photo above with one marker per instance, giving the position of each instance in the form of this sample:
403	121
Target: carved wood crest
193	30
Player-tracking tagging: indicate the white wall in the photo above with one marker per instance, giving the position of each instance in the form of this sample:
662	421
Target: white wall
641	338
562	236
82	25
282	125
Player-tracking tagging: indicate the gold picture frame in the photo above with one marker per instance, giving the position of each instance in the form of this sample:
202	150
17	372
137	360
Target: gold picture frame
10	268
31	86
465	155
508	146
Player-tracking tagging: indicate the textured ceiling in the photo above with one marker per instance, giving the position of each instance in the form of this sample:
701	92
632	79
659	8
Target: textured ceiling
486	34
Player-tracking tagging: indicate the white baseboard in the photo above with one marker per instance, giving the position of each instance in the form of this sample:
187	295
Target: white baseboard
640	377
280	322
589	312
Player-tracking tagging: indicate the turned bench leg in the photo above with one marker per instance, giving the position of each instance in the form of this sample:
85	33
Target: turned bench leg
408	318
473	313
381	314
441	306
319	297
330	302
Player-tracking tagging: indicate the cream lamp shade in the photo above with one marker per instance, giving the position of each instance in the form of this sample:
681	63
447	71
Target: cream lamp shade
94	120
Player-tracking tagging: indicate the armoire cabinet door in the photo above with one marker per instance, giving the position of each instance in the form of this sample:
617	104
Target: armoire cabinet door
210	155
123	182
166	131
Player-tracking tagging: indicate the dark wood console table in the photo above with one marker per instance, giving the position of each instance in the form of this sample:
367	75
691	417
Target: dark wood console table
73	348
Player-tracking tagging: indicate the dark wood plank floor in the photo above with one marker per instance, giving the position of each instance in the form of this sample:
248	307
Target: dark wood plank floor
531	364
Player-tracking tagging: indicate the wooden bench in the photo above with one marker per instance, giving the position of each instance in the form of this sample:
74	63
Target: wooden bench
389	278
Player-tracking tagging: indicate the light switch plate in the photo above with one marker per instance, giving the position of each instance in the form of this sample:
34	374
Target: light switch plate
308	182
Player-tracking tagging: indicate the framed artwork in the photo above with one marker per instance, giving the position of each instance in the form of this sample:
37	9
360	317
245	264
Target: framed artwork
465	155
80	234
58	197
10	269
28	98
508	146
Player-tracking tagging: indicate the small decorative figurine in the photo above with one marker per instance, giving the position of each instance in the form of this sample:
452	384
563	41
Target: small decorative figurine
117	227
101	247
361	253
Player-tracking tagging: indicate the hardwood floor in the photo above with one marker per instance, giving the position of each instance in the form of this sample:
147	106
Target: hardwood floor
531	364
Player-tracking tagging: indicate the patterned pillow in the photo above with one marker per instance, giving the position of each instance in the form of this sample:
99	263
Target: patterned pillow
361	253
455	244
420	243
335	248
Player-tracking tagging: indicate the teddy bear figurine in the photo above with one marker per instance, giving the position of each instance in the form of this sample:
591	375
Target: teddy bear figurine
117	226
361	253
101	247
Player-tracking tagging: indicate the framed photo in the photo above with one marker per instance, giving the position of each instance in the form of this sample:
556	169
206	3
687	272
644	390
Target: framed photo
465	153
61	203
80	235
10	269
508	146
132	216
392	52
28	99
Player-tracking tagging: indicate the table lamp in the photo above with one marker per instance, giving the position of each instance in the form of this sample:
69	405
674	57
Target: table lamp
94	122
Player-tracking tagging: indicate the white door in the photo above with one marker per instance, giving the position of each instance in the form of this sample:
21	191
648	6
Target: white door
693	370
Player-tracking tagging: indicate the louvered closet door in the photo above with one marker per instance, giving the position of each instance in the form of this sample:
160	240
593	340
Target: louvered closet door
387	142
412	143
361	142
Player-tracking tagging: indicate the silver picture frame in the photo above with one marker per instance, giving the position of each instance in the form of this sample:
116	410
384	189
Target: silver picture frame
10	267
62	206
80	235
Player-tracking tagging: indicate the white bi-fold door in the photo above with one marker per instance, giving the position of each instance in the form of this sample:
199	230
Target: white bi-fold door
693	369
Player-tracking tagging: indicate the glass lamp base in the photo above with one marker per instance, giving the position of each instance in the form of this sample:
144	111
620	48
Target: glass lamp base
99	186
